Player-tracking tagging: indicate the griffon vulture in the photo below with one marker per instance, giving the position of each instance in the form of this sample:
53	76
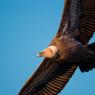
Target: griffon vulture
68	50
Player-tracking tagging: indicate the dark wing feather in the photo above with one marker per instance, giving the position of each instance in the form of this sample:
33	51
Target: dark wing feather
65	17
87	20
49	79
78	15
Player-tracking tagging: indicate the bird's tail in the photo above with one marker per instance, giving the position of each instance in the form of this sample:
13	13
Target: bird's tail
92	46
88	62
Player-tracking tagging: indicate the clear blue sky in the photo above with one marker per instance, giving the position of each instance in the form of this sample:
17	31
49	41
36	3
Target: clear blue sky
26	27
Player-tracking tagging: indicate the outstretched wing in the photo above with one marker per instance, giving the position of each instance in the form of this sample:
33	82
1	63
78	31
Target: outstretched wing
49	79
79	15
87	20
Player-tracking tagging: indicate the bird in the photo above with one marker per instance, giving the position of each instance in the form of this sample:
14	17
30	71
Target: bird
68	50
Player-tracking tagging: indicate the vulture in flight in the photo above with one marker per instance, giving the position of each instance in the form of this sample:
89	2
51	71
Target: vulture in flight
68	50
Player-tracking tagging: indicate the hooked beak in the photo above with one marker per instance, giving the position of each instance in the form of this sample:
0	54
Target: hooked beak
40	54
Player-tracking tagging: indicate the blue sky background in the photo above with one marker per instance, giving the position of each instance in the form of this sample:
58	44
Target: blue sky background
26	27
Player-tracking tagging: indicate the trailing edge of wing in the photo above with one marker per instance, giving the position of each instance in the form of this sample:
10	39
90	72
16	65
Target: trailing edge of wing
87	20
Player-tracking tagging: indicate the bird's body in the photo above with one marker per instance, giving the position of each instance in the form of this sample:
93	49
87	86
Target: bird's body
68	50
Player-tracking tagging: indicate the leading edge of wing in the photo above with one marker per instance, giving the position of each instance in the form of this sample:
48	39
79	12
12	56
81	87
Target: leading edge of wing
50	78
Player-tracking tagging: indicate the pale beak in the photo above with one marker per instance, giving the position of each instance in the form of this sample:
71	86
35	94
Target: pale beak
40	54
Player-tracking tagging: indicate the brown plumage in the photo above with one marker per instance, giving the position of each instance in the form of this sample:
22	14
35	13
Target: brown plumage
68	50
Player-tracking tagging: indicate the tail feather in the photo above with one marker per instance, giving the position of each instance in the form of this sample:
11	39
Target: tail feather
92	46
88	63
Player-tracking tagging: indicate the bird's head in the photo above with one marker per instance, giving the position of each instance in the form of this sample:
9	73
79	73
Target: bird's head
53	49
49	52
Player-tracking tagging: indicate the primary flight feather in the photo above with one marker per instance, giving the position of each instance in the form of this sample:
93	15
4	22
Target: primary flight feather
68	50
